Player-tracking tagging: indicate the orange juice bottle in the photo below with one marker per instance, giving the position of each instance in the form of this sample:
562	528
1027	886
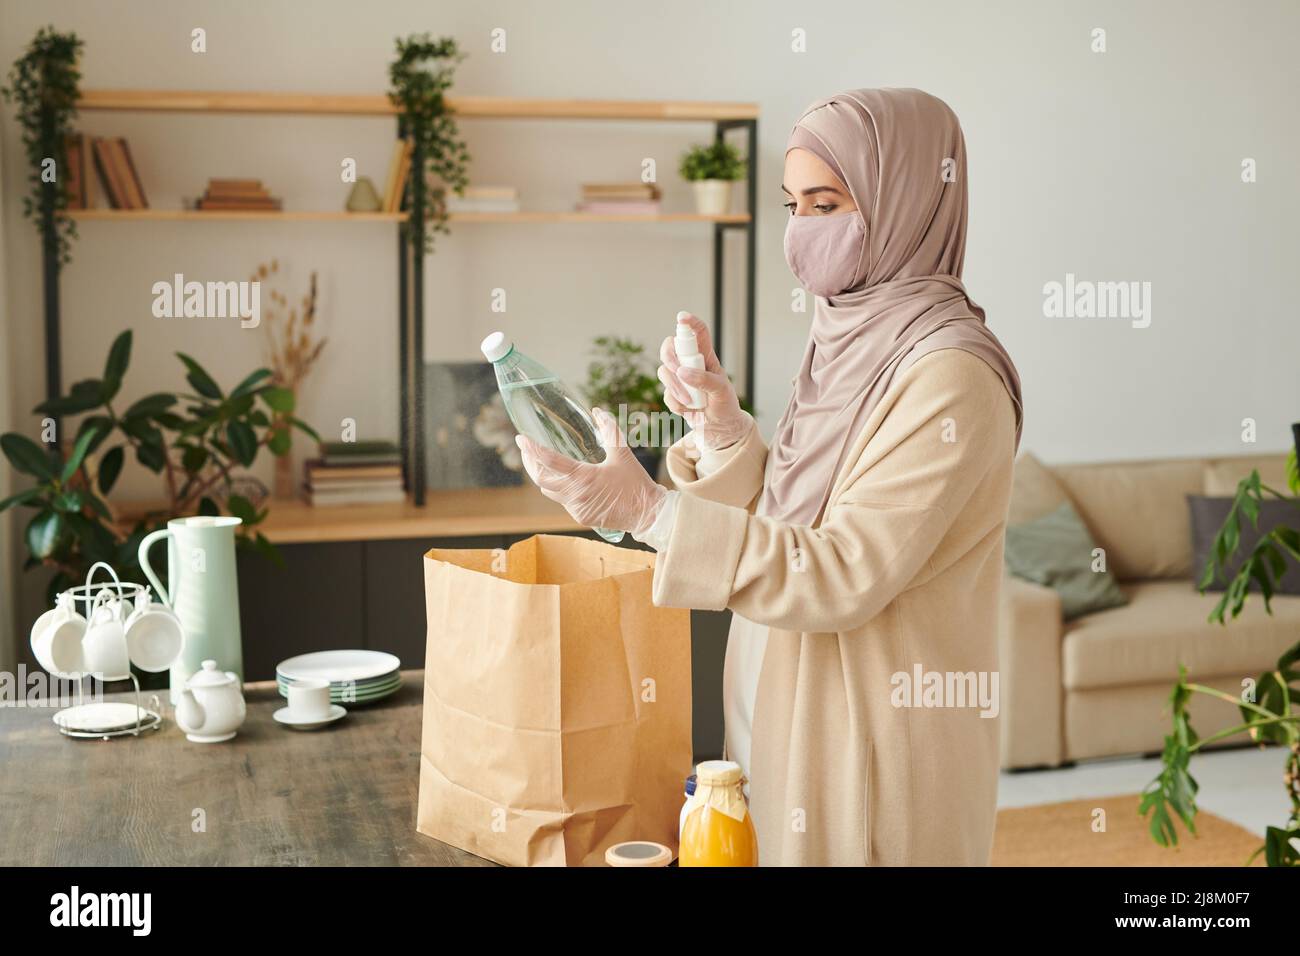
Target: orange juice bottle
719	830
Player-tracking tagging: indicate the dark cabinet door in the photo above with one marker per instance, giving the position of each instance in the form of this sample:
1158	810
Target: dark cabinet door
394	593
312	603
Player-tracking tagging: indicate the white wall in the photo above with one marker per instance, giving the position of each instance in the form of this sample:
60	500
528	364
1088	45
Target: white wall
1114	166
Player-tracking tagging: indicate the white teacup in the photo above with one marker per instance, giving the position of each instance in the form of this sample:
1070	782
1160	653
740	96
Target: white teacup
103	648
309	699
153	635
56	638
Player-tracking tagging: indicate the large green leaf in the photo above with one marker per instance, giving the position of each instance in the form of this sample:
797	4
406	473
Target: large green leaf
247	384
199	379
119	357
243	442
19	499
150	405
280	442
110	466
26	456
152	457
82	397
242	508
78	454
280	399
43	533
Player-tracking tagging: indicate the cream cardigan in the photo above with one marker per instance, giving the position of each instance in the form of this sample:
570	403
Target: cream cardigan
902	573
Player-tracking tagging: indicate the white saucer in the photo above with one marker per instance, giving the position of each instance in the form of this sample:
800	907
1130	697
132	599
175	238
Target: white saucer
297	723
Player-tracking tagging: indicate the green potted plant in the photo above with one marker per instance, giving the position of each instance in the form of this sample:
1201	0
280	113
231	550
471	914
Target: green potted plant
1269	714
620	380
196	441
711	169
43	84
420	77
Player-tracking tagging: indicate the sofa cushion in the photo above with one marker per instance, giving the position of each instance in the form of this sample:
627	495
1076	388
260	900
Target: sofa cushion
1137	511
1208	515
1164	625
1035	491
1056	552
1222	474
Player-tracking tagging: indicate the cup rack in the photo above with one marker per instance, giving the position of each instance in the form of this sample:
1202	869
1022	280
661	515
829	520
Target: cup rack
72	721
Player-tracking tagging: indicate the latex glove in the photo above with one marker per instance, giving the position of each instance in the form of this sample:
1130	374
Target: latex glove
617	493
722	421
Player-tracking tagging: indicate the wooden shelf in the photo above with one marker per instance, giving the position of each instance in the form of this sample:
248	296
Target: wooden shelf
195	215
447	514
485	107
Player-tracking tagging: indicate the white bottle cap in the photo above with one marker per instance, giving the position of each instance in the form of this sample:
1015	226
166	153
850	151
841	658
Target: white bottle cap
496	347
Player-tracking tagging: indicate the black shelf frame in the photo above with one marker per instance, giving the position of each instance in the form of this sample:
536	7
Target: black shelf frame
410	282
411	307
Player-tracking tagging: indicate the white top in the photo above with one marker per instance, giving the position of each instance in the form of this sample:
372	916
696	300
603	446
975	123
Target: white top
745	643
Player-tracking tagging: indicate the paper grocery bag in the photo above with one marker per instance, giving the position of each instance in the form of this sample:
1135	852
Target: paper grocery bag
557	702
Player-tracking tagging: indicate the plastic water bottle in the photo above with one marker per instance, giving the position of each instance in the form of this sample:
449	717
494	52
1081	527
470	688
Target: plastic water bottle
544	409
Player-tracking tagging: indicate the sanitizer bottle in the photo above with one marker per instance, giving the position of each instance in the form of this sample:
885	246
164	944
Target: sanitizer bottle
544	408
688	354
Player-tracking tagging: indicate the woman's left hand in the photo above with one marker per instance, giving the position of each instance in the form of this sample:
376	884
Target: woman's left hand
617	493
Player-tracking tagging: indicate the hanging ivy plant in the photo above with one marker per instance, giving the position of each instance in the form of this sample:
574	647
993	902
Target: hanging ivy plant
420	76
44	85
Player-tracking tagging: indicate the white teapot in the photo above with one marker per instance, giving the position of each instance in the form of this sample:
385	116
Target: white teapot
211	707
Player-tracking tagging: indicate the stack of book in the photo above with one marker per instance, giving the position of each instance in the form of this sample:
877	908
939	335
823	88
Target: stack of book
399	169
117	173
620	198
355	473
246	195
485	199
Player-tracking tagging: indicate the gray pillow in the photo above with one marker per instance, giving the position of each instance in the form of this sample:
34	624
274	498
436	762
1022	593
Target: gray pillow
1208	515
1056	551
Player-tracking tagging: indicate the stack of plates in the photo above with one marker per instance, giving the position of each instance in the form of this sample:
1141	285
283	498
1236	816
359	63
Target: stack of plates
355	677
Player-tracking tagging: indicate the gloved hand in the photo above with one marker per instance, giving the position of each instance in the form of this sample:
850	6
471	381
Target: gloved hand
722	421
617	494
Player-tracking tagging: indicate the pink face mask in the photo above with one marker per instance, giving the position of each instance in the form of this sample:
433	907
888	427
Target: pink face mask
824	251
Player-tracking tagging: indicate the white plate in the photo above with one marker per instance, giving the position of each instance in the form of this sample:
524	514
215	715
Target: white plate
283	716
390	678
339	666
101	717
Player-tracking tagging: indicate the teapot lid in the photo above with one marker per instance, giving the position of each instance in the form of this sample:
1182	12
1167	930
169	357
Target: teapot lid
209	676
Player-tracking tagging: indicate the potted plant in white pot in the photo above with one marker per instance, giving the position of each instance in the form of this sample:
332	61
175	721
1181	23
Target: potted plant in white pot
711	170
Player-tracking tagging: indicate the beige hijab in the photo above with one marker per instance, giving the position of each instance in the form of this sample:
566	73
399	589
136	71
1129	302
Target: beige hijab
902	157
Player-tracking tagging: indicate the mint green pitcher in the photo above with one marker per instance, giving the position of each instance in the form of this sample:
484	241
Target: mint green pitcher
204	593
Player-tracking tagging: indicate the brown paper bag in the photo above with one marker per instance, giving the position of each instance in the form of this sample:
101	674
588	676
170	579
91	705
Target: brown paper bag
557	702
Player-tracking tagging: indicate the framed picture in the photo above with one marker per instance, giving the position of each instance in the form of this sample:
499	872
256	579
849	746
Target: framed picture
470	441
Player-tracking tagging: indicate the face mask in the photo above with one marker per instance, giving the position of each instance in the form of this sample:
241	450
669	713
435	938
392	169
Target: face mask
824	251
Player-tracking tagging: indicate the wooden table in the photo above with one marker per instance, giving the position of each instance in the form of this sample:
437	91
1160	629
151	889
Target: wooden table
344	795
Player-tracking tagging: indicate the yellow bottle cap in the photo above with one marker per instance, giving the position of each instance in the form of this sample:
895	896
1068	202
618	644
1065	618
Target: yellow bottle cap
718	773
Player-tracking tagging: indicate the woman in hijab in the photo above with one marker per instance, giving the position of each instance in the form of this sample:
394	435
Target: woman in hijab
861	552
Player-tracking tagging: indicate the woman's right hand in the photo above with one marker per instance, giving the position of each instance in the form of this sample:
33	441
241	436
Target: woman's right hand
722	421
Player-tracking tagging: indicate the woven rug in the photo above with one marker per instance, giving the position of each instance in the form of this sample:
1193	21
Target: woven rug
1061	834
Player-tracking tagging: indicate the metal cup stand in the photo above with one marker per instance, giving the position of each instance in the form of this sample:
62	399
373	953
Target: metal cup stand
146	718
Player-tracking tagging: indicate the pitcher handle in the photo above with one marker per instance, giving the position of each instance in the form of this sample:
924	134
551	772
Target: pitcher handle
143	556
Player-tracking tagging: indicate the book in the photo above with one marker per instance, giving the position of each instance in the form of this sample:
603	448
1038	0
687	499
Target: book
135	188
237	204
629	207
317	470
506	193
591	191
374	447
108	173
75	172
403	173
457	204
370	496
394	160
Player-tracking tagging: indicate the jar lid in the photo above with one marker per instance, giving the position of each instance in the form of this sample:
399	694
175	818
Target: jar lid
718	773
638	853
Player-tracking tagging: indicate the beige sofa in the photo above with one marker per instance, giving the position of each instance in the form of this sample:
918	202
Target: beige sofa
1099	685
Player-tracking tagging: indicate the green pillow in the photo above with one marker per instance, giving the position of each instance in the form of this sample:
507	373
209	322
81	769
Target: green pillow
1056	551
